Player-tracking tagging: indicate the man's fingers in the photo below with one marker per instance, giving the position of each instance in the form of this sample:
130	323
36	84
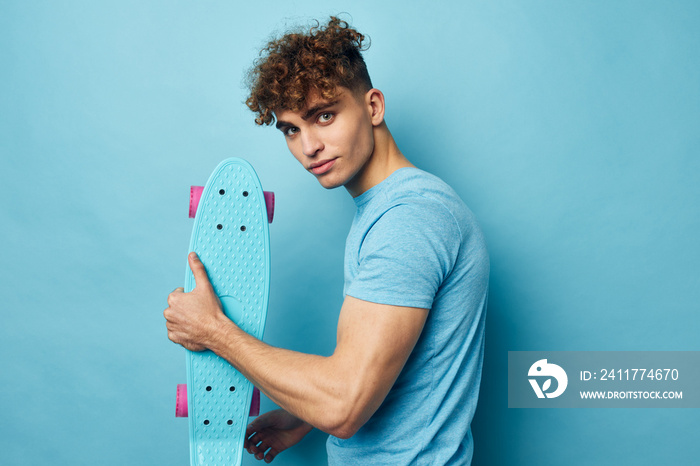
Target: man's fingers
198	270
247	441
173	295
255	426
252	442
260	454
271	455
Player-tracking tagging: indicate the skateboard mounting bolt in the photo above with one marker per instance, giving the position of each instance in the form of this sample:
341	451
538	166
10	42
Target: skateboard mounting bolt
232	389
219	226
245	193
206	422
229	422
243	228
208	389
222	191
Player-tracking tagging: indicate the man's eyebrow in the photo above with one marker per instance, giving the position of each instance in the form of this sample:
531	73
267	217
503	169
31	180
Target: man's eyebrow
309	113
317	108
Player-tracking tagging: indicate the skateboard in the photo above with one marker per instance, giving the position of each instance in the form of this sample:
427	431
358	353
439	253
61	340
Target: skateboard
231	237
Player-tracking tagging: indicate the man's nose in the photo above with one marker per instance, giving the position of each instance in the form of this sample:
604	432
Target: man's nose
310	143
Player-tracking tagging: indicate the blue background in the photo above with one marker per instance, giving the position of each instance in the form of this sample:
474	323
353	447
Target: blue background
569	128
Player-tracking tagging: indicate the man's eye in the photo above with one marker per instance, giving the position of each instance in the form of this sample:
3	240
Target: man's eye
290	131
325	117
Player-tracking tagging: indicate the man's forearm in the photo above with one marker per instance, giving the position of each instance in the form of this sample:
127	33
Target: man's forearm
308	386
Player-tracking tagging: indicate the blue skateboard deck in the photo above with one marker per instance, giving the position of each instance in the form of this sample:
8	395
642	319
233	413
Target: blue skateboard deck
231	237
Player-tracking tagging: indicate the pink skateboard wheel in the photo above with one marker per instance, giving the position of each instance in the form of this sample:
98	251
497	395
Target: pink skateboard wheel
181	400
195	196
270	205
255	403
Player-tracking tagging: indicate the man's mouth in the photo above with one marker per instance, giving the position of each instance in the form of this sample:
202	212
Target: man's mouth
322	166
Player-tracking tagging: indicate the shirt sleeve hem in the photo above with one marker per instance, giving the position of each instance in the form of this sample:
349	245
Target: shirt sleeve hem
392	299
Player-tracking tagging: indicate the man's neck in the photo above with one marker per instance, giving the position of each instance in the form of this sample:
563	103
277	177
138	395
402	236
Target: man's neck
386	158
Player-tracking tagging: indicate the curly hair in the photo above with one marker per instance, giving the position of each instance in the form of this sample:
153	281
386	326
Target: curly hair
299	63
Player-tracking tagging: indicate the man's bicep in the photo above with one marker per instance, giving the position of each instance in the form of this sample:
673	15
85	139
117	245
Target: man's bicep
374	342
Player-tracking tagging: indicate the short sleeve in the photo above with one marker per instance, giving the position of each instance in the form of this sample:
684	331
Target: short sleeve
406	255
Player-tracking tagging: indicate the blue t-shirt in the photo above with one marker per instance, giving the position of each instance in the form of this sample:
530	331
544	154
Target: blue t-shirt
414	243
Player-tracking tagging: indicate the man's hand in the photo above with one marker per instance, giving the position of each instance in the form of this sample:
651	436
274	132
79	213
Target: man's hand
274	432
192	317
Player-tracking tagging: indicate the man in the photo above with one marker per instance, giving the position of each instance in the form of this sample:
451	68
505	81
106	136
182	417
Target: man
402	384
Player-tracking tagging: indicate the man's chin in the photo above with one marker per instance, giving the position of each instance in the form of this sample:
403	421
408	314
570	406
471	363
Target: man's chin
329	183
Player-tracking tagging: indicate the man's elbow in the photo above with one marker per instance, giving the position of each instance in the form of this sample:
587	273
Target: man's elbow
344	433
344	429
347	419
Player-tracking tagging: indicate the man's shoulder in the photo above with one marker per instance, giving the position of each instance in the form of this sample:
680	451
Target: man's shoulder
414	181
413	199
421	191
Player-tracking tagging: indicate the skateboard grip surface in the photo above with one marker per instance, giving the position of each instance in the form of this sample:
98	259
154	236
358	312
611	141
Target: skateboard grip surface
181	401
231	238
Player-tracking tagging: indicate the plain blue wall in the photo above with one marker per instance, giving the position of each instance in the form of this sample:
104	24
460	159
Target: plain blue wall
569	128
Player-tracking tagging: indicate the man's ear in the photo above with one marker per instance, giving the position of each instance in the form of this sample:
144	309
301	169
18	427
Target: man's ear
374	100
